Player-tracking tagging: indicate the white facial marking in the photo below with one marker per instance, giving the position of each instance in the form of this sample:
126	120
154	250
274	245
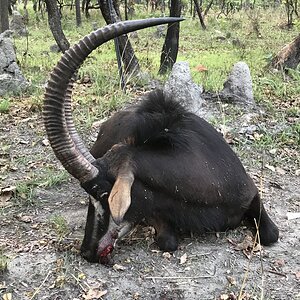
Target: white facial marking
98	208
99	213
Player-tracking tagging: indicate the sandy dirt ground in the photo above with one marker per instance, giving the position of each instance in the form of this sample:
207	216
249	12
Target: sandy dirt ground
41	231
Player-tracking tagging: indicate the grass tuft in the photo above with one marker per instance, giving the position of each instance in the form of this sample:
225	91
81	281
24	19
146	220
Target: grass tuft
4	105
3	262
60	226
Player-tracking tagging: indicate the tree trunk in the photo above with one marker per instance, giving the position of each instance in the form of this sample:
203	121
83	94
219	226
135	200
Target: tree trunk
170	47
199	13
4	25
126	9
192	8
208	8
78	13
288	56
289	10
117	9
130	61
26	15
10	7
85	8
296	8
55	25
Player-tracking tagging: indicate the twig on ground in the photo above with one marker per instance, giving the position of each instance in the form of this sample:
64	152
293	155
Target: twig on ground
78	282
261	262
182	277
277	273
256	240
39	288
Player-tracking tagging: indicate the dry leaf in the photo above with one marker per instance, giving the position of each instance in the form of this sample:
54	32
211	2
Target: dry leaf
117	267
85	79
276	185
231	280
270	168
201	68
7	296
167	255
45	142
183	259
94	294
81	276
155	251
279	262
60	281
291	216
97	124
136	296
230	296
244	296
4	198
8	189
280	171
35	226
245	244
257	248
6	194
24	218
23	142
2	285
256	136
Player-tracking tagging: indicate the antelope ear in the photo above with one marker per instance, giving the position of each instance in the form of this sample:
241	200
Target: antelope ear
120	196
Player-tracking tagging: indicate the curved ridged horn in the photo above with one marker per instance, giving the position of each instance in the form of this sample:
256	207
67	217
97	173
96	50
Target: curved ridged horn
71	126
59	135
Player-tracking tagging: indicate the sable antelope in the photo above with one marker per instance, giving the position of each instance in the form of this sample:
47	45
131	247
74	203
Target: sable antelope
154	161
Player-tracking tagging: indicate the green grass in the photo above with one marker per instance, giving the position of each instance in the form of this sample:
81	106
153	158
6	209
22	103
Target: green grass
52	178
3	262
26	190
25	193
287	136
60	226
277	93
4	105
196	47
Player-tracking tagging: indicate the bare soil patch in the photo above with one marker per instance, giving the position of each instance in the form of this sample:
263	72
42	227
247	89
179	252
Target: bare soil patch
41	234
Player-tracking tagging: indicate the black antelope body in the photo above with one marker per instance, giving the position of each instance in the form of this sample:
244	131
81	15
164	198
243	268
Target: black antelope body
154	161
